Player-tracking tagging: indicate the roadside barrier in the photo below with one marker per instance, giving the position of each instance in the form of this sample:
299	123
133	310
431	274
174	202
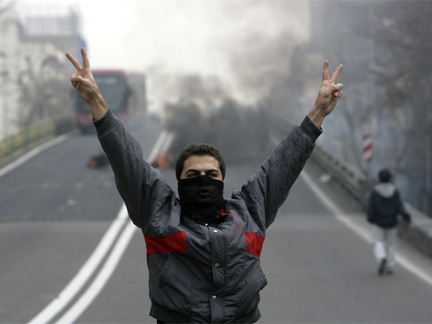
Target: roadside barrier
419	234
345	174
31	136
348	176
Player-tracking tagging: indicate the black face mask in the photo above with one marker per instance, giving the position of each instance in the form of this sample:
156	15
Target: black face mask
200	188
201	198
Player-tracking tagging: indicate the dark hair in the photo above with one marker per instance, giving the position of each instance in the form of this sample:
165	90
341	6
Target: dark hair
384	175
199	149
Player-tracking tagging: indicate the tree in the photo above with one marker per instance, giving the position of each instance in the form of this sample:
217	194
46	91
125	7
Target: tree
403	69
386	51
391	78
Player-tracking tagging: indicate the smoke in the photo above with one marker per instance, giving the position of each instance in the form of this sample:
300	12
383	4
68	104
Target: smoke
204	113
229	109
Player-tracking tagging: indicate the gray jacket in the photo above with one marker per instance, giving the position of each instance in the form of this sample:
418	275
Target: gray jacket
204	273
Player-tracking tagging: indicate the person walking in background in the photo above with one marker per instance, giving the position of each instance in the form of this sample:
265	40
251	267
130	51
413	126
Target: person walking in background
384	207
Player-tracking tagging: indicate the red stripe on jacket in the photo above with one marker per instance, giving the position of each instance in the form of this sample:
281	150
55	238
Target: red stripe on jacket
171	243
254	243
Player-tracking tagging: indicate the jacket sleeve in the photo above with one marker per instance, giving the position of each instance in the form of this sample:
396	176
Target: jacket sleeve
140	186
371	208
405	215
268	189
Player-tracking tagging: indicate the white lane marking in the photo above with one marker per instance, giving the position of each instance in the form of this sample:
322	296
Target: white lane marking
104	275
157	147
21	160
88	269
407	264
168	141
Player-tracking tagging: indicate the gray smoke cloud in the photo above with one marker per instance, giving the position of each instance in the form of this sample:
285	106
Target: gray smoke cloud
205	114
230	111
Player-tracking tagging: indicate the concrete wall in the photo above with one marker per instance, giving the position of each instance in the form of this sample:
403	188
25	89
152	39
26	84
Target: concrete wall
34	77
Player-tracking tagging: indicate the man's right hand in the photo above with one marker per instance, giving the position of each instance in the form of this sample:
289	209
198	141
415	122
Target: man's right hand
86	85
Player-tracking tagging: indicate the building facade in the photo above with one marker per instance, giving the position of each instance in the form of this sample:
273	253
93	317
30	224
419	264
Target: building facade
33	42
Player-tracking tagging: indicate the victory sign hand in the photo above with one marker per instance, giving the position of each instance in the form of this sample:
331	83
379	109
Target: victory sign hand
86	85
329	94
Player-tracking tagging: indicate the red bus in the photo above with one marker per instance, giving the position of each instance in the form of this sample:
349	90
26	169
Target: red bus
125	94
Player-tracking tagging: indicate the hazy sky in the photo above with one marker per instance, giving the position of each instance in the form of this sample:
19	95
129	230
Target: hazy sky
183	36
139	34
179	34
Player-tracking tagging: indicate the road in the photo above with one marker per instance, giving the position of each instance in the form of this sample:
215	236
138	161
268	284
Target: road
55	212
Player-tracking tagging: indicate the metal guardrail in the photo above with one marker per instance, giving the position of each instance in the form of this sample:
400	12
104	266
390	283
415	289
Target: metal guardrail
419	234
31	136
348	176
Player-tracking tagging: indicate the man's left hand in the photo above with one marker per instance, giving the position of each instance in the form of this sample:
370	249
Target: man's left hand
329	94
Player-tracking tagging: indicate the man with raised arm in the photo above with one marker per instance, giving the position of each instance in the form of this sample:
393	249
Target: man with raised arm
203	251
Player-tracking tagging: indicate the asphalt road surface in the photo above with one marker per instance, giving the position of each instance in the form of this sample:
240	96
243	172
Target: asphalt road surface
69	255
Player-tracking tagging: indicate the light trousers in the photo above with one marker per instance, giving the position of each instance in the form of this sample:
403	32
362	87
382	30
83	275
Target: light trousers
384	244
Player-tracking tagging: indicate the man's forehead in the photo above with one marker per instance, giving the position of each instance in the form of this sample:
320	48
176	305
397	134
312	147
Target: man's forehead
201	164
201	161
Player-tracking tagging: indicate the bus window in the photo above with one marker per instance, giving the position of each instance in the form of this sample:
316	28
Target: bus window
115	91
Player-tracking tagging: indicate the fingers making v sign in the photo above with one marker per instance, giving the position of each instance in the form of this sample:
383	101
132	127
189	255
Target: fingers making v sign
85	83
330	91
328	95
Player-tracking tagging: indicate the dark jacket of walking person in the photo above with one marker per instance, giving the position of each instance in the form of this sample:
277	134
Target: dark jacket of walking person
385	206
203	251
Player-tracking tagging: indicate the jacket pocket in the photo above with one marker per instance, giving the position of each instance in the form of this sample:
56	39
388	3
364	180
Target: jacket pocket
165	271
175	285
263	278
251	284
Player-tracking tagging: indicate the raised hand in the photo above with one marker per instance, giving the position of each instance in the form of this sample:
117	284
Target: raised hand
86	85
328	95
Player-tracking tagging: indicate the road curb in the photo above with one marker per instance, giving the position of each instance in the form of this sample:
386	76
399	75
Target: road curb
29	137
